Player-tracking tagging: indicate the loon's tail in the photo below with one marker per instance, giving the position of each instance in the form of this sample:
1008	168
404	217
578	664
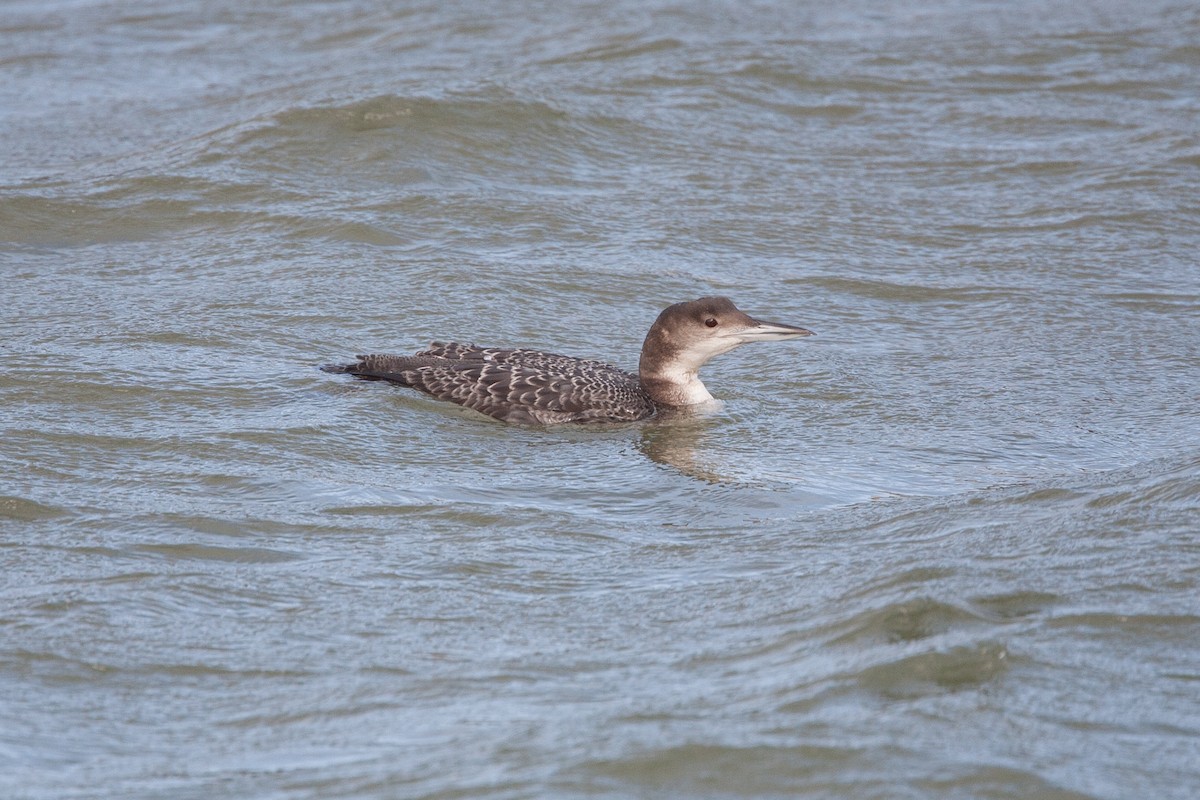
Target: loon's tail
383	367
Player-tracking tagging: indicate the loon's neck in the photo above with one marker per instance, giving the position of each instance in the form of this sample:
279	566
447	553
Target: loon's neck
674	388
669	373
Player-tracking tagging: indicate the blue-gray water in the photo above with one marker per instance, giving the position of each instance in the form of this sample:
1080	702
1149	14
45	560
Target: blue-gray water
947	548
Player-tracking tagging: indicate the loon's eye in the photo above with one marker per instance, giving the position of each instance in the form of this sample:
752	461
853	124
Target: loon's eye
710	322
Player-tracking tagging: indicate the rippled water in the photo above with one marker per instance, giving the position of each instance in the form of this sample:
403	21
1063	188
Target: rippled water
946	548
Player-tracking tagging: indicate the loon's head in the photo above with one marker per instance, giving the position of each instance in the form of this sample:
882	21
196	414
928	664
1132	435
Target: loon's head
686	335
695	331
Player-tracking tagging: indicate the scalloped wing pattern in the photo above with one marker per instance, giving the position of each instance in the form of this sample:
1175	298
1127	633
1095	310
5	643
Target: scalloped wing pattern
514	385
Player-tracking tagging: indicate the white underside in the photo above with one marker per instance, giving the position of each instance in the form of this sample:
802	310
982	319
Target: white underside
695	392
689	391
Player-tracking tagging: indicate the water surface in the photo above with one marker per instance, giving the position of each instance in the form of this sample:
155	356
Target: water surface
945	548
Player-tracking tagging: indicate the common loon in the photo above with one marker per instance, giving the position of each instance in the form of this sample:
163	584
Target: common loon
535	387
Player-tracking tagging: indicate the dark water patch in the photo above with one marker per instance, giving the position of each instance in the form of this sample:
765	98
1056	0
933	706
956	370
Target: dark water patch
1046	220
397	511
1183	627
58	669
619	49
424	141
22	509
814	78
904	579
906	621
958	668
996	781
704	770
73	223
1044	168
238	555
1155	302
1016	605
334	708
912	293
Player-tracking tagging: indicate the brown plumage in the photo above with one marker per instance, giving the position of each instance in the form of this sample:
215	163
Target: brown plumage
535	387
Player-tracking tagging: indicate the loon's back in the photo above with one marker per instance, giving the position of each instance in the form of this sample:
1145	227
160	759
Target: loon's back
513	385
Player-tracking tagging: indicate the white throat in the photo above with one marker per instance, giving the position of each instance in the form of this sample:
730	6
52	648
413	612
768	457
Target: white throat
686	387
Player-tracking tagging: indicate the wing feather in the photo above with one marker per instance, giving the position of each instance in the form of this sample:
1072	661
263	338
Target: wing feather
513	385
